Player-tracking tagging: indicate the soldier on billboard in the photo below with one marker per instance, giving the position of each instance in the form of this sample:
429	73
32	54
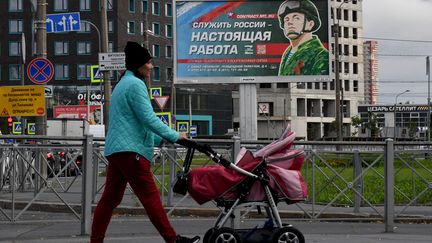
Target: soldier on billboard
306	55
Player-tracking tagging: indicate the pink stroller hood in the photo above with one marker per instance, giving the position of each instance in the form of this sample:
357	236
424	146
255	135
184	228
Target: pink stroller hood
283	168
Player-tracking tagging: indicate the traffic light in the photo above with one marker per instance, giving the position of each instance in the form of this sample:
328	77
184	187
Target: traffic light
10	120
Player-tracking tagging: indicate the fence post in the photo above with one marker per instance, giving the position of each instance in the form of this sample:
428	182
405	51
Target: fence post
358	184
86	206
236	147
389	186
172	167
95	173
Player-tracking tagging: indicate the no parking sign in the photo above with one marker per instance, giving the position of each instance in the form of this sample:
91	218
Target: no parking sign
40	70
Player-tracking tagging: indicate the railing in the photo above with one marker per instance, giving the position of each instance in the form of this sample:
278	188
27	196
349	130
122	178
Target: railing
359	181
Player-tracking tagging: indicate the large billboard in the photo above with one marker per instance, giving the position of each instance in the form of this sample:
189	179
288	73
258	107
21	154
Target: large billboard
251	41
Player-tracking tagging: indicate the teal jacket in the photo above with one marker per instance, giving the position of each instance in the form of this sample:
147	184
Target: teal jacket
133	125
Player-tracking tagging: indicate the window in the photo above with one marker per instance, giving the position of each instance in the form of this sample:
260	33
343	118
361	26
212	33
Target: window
61	71
85	5
83	48
346	67
84	27
169	74
338	13
309	85
169	31
156	73
110	4
168	9
354	16
83	71
346	32
15	26
14	72
131	27
155	8
346	50
355	86
156	51
355	68
265	86
14	48
355	51
60	5
156	28
301	85
347	85
15	5
317	85
144	6
61	48
325	85
346	14
354	33
332	85
110	26
282	85
110	46
131	6
168	52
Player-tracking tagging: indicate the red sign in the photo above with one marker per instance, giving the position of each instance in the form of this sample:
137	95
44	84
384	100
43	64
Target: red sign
79	112
161	101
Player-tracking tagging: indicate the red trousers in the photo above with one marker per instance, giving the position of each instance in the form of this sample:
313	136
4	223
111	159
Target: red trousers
135	169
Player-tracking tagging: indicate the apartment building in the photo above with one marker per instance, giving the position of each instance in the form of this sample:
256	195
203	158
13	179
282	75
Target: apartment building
371	71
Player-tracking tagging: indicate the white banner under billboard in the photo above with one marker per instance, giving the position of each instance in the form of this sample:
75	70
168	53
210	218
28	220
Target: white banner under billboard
252	41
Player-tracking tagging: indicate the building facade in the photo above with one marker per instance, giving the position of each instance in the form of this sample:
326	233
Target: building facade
371	71
149	22
310	107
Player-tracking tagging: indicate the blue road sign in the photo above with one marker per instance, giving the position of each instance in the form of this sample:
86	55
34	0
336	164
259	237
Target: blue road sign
193	131
63	22
165	117
31	128
17	128
40	70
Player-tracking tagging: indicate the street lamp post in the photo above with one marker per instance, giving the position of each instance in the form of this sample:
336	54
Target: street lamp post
395	107
428	72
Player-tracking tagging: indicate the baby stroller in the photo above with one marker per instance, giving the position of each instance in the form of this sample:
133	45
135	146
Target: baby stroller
260	179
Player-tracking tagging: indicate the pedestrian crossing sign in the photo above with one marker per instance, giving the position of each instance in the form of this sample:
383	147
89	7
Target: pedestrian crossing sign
16	128
183	127
155	92
31	128
95	74
165	117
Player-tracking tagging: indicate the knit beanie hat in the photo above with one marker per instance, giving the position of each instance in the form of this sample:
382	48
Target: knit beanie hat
136	55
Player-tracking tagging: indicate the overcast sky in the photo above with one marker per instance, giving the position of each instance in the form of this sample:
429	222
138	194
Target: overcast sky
401	20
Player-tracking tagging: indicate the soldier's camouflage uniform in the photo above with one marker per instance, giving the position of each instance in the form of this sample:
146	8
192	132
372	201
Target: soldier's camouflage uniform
311	58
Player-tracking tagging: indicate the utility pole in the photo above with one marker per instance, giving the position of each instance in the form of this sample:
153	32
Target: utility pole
428	72
41	37
106	78
337	83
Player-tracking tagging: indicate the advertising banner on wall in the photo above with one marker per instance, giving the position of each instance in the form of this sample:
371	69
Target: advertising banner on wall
79	112
252	41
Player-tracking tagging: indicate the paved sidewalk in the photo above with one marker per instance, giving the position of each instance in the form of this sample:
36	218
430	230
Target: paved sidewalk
62	228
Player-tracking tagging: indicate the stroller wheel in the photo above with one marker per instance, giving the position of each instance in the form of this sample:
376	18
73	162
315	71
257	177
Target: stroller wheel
208	234
224	235
287	235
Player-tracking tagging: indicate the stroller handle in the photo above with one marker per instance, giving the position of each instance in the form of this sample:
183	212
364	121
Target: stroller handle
216	157
205	149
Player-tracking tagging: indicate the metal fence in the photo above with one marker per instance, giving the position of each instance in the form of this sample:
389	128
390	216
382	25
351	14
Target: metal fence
346	181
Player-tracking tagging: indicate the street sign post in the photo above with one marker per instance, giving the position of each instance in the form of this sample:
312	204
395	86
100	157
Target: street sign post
40	70
112	61
63	22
